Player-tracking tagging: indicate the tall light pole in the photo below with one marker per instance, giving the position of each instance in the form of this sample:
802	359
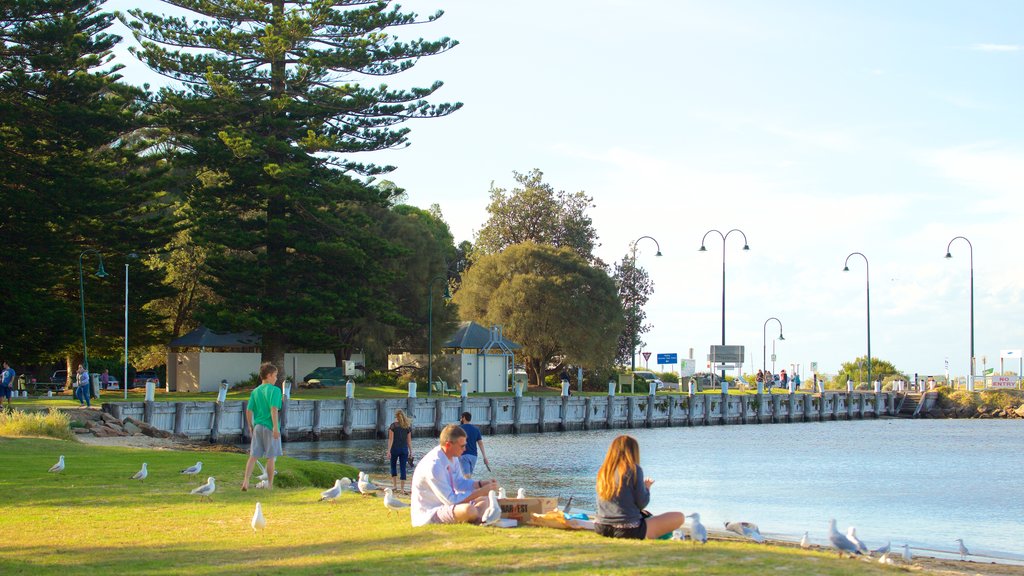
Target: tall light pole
703	249
970	384
634	328
124	383
867	276
430	327
764	341
81	296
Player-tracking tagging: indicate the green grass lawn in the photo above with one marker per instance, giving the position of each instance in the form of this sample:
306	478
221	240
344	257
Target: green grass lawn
91	519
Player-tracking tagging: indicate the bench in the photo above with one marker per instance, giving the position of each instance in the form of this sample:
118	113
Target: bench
441	387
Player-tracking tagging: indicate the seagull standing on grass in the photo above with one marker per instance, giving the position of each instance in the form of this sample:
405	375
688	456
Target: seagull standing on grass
805	541
698	533
392	503
194	469
492	514
59	466
258	521
365	486
141	474
851	533
748	529
964	552
206	490
839	542
331	493
347	484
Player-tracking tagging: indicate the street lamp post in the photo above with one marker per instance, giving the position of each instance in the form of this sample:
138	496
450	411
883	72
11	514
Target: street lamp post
867	276
703	249
970	383
81	297
764	342
430	327
634	328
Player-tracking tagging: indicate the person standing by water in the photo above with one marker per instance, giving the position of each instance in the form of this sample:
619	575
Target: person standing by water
622	494
264	429
399	450
474	440
81	384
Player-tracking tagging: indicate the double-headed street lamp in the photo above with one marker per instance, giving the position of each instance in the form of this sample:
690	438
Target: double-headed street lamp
703	249
764	342
81	296
867	276
970	385
634	328
430	326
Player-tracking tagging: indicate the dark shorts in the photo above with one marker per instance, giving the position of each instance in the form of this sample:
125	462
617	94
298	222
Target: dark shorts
5	392
638	533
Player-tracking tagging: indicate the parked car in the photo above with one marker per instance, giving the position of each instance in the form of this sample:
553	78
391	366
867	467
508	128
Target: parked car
59	377
112	380
326	376
651	378
707	380
143	376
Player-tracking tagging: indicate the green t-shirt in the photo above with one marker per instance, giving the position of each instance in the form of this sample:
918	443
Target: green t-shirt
262	399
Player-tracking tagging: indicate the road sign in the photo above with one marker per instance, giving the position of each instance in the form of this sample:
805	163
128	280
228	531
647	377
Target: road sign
647	356
670	358
814	366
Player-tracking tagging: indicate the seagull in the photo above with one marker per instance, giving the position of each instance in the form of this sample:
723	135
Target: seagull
206	490
805	542
392	503
840	542
884	549
748	529
907	556
141	474
851	533
521	493
347	484
492	514
885	559
679	535
263	472
258	521
698	533
964	552
59	466
501	493
365	486
331	493
193	470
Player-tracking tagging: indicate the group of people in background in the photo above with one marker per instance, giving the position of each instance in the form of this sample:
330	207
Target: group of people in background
780	380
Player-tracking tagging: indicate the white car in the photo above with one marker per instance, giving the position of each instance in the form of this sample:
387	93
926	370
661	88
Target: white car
650	377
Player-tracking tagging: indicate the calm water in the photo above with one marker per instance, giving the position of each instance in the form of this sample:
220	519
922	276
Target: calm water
920	482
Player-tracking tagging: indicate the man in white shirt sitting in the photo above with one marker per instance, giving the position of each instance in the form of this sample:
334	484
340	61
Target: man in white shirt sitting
440	493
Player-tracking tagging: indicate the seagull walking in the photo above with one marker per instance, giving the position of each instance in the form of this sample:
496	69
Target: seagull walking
332	492
805	541
258	521
492	514
964	552
59	466
193	470
747	529
206	490
392	503
851	533
141	474
839	542
698	533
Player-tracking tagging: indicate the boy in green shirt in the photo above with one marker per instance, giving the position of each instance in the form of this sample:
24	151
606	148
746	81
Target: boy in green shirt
261	416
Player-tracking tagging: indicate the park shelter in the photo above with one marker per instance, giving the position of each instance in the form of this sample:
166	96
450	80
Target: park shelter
486	356
201	359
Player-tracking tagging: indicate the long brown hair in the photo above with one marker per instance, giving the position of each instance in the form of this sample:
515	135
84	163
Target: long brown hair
623	456
402	419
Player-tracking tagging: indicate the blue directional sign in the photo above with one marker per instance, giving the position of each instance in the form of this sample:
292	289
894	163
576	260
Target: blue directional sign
671	358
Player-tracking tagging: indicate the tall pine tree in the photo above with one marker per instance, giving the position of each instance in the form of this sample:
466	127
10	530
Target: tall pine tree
268	109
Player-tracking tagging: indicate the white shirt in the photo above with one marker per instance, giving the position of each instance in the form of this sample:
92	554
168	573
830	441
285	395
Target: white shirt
436	482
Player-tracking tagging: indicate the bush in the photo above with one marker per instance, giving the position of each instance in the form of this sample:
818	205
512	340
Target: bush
251	382
382	379
53	424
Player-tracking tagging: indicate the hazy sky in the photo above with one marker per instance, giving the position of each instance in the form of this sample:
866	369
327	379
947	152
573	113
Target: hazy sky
817	128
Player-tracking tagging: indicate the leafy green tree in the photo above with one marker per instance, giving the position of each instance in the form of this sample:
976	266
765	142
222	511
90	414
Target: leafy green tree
74	178
635	288
269	110
857	371
535	212
549	300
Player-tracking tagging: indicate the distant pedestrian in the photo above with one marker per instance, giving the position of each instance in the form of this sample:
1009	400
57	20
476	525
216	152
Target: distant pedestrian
474	442
81	386
399	450
105	379
262	420
6	384
796	381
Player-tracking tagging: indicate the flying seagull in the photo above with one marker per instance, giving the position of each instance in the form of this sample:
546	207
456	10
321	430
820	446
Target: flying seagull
258	521
141	474
839	542
698	533
206	490
747	529
59	466
392	503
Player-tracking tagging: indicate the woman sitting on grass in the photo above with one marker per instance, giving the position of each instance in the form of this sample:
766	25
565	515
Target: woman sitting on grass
623	492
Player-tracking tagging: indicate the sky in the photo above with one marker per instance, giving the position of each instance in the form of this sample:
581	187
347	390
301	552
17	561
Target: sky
818	129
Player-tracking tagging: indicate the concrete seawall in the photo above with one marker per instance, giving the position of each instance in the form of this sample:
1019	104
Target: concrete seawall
369	418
